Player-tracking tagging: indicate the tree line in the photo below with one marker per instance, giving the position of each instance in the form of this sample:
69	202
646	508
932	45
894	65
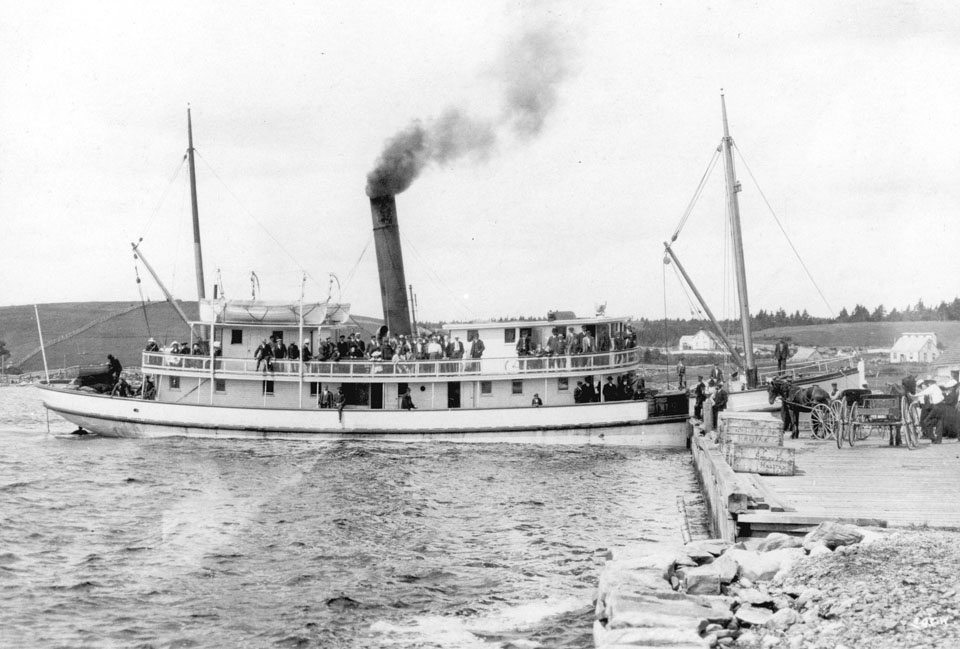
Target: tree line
659	333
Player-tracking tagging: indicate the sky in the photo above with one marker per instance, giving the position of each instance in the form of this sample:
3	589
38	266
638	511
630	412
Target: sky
562	144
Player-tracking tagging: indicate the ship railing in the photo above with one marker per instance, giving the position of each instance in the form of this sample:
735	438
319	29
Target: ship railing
812	368
612	361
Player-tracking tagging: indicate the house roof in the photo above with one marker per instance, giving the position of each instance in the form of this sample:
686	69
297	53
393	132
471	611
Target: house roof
804	353
908	343
948	358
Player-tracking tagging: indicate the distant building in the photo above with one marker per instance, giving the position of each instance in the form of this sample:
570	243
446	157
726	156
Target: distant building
703	340
947	365
806	355
915	348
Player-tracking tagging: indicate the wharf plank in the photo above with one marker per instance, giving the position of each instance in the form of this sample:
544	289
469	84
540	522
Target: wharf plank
871	482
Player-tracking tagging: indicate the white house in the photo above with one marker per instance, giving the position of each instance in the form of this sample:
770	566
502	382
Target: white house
703	340
915	348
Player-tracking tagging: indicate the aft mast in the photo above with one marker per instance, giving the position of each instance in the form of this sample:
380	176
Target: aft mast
197	254
733	209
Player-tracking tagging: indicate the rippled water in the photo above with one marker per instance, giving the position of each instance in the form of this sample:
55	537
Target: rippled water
210	543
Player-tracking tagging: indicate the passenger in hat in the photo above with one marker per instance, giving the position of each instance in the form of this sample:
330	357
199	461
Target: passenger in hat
835	391
152	346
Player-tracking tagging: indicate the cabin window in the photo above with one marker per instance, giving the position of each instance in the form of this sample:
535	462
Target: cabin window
236	336
220	385
314	388
473	333
486	387
563	383
268	387
509	335
278	335
174	382
518	387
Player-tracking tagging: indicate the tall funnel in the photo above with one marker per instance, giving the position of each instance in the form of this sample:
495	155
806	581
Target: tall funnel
386	238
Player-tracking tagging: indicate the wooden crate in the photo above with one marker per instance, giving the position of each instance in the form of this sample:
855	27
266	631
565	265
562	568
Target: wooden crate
763	460
750	428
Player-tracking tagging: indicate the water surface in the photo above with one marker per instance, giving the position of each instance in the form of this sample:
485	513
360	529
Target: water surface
227	543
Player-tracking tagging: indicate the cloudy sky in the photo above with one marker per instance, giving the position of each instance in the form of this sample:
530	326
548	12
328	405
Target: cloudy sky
580	136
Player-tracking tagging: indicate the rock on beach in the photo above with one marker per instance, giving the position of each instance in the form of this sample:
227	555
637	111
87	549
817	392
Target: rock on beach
841	585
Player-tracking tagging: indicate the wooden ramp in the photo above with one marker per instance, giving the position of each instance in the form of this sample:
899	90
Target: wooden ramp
870	484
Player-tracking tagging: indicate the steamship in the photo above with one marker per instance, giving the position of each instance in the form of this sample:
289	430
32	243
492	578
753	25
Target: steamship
227	393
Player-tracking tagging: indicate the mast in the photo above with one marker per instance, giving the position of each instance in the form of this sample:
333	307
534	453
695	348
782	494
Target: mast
717	329
197	254
733	209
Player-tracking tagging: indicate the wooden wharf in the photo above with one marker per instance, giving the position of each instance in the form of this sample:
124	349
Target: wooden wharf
870	484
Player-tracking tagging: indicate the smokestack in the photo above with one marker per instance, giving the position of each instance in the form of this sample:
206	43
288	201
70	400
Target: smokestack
393	285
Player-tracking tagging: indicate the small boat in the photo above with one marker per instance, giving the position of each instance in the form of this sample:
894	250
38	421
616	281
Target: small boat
751	393
583	389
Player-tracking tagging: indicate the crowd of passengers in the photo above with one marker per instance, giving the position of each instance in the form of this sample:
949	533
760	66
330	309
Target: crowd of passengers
394	348
379	348
627	387
574	342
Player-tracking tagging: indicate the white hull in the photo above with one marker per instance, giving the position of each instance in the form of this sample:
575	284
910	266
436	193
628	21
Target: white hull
623	422
758	399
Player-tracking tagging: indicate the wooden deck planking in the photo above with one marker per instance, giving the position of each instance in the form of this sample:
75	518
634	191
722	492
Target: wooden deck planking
873	480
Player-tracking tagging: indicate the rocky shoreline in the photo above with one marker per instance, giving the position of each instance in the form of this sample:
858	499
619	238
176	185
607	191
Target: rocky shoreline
841	586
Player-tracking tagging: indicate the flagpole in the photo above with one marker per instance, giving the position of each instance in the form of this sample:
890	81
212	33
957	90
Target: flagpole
46	371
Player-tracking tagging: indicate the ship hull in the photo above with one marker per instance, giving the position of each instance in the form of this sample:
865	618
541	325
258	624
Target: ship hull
621	423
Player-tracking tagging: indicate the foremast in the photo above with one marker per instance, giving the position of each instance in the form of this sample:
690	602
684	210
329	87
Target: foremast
197	253
733	211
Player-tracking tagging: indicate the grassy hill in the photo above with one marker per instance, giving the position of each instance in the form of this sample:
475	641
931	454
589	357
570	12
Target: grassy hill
861	334
83	333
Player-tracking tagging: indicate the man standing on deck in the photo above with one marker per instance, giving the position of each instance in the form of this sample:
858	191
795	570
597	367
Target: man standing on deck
114	368
681	375
476	347
716	373
326	398
781	352
609	390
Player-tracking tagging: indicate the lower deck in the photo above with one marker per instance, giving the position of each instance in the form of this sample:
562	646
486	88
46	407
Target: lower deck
267	392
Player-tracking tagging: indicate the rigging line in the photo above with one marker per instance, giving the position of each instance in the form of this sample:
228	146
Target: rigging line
437	276
694	309
666	340
163	197
143	302
346	280
782	229
697	193
254	219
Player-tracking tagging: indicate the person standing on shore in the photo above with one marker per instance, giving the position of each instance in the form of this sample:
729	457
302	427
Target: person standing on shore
700	395
719	402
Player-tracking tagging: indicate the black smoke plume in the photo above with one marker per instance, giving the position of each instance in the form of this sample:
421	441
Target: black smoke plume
531	68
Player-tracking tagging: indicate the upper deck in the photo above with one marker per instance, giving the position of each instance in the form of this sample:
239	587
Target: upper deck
363	370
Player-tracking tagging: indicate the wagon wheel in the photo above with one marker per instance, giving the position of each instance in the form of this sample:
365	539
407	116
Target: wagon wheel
822	421
850	430
910	414
839	410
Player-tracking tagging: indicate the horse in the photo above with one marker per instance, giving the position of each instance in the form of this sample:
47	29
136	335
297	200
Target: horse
793	399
